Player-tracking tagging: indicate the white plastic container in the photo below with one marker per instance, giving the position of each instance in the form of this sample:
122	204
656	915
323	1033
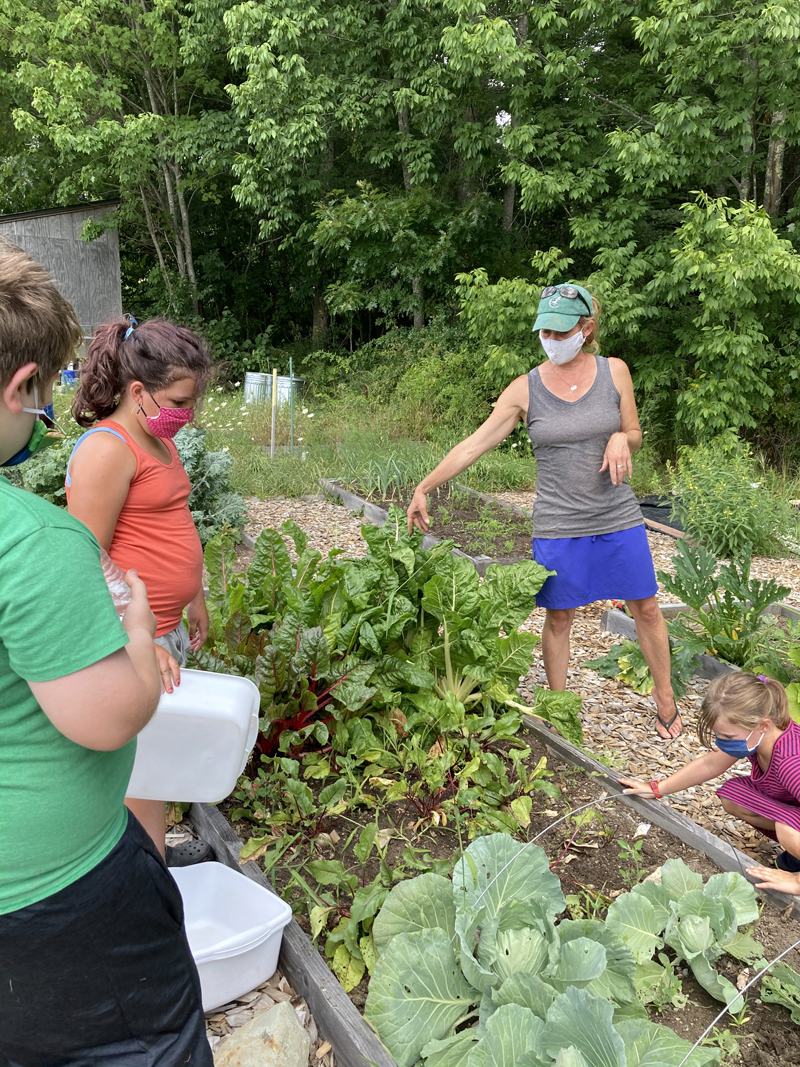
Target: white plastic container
197	743
234	927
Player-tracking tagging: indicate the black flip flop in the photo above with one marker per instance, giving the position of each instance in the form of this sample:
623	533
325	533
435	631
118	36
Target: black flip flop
667	725
188	853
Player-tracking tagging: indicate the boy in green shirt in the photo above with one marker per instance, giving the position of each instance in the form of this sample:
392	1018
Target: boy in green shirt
94	963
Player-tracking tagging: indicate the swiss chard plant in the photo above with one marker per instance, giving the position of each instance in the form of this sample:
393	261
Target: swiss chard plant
475	971
328	639
726	606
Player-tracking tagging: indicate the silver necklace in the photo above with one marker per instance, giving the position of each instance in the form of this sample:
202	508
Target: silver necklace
572	388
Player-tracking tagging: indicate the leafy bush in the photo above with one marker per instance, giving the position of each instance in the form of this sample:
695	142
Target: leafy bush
569	993
726	616
724	501
211	501
400	626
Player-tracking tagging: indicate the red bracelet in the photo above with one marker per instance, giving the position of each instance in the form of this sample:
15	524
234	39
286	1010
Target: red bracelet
655	790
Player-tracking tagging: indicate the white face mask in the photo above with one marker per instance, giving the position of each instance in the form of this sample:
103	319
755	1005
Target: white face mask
559	352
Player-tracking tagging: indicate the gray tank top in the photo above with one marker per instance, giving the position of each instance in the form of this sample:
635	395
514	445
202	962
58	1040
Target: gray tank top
569	438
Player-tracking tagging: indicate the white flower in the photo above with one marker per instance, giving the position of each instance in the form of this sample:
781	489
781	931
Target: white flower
224	403
236	385
305	411
515	445
216	408
299	439
311	416
226	449
755	485
219	388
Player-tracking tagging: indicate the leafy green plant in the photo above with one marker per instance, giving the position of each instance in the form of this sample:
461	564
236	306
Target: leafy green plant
631	852
658	985
328	639
726	605
782	986
486	945
723	501
626	663
212	503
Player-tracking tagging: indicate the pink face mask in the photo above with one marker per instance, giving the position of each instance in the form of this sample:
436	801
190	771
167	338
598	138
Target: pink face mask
168	421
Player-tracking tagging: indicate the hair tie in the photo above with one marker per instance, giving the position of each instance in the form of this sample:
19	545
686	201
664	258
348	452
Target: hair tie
761	678
129	331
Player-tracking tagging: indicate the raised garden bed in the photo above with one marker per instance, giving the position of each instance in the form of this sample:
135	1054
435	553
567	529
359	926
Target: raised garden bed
617	622
590	873
512	544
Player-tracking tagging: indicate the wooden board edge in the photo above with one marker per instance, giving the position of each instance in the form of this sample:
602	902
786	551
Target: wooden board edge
378	516
661	527
720	852
337	1018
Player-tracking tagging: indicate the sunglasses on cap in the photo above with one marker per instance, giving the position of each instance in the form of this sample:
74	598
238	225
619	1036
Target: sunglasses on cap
569	292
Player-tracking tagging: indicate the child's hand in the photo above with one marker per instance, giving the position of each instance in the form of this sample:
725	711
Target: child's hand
168	669
138	615
771	878
636	787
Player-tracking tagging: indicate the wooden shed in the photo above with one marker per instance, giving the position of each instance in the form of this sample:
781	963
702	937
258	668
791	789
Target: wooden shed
86	273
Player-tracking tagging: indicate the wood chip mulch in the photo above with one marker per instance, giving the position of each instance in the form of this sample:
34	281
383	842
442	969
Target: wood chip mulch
228	1017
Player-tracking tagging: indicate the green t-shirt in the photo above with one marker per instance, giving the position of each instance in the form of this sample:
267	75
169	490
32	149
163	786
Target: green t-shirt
61	805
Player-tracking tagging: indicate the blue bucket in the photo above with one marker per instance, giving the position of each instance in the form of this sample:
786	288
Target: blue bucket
69	378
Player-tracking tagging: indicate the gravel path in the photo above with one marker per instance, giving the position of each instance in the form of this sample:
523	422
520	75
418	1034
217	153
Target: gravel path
618	723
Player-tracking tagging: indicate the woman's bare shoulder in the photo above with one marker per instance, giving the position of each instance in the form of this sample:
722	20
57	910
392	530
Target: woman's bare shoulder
620	371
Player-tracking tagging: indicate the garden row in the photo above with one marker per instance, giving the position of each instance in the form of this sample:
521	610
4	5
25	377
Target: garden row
391	736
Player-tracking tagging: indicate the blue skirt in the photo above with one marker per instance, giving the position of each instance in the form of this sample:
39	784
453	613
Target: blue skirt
614	566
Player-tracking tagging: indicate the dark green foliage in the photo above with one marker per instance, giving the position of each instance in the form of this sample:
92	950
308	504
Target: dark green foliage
725	501
211	502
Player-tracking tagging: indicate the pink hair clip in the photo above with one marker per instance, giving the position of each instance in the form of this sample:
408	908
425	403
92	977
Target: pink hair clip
761	678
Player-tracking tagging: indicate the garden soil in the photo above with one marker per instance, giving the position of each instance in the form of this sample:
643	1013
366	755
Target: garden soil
589	864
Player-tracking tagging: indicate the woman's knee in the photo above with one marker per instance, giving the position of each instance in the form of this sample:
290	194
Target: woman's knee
646	611
788	837
560	619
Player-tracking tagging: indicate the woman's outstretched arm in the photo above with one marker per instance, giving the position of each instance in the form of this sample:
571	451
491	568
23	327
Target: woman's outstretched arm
511	406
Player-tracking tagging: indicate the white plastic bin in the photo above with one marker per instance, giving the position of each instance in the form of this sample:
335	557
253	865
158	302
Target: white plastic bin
234	927
197	743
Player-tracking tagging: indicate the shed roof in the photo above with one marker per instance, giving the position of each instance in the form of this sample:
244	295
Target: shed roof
86	206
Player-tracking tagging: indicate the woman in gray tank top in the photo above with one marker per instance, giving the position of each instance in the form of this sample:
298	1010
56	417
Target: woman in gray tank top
581	417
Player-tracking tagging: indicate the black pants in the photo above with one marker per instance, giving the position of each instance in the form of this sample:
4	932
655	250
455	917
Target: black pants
100	974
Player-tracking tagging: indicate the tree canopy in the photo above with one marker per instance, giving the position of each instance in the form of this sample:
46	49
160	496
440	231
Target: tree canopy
323	169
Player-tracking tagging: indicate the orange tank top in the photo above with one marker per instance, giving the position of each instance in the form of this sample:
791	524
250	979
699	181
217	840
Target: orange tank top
155	532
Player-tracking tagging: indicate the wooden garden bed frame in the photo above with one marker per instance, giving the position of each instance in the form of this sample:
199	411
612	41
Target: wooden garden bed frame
338	1020
378	516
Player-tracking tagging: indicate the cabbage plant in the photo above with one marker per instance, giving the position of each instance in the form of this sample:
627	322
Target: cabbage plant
475	972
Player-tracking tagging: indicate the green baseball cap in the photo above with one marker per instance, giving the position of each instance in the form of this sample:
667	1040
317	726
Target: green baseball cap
561	306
